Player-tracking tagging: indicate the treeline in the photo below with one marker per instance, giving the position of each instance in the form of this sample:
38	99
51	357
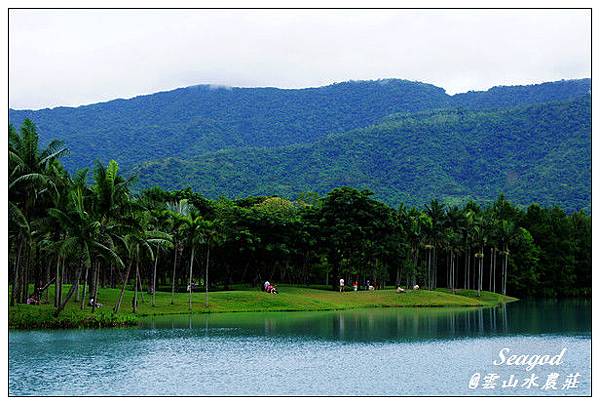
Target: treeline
88	230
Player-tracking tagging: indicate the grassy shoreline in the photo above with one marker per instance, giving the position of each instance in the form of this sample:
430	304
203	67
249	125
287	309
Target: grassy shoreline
291	298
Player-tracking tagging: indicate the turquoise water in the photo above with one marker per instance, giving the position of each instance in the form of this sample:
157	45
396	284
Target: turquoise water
410	351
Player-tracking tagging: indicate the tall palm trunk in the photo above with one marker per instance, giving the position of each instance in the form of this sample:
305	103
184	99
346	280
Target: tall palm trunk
206	275
494	273
96	280
135	289
468	259
25	277
84	284
434	269
451	269
57	283
190	281
466	276
479	280
141	286
122	292
491	266
74	287
15	289
46	282
154	279
430	281
173	278
505	271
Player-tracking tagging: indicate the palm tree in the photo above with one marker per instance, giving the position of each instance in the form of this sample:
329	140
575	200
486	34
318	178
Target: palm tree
437	212
138	243
177	218
507	232
82	240
480	236
452	243
30	182
110	204
197	231
20	231
161	221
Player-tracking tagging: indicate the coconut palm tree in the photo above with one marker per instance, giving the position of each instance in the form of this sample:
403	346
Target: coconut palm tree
507	232
437	212
30	182
83	240
138	243
196	229
480	236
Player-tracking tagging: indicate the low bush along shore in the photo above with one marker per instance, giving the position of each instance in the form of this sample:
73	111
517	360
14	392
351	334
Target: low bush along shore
290	298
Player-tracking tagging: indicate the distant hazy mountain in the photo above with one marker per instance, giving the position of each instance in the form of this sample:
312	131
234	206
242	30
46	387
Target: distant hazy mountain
407	141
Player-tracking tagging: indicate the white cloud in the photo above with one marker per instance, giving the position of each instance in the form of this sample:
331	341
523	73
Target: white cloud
74	57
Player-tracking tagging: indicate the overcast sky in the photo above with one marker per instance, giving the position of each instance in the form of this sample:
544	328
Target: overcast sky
75	57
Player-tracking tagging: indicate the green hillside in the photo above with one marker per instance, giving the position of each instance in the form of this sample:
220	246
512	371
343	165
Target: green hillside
408	141
532	154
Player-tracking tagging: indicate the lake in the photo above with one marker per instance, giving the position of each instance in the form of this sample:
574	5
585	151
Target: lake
389	351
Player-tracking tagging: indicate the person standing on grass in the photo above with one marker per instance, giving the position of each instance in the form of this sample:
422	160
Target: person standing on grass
341	285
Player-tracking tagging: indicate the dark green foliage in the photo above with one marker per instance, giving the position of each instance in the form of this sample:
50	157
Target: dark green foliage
539	153
406	141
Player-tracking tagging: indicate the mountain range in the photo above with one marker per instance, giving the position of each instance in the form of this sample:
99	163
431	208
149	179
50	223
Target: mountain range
407	141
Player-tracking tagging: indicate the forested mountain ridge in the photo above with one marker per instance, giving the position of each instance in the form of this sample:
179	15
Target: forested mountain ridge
407	141
192	120
529	153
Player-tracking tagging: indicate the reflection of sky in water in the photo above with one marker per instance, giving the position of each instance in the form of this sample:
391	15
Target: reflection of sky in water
366	352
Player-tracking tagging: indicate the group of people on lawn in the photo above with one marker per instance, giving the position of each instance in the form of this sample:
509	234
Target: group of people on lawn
367	285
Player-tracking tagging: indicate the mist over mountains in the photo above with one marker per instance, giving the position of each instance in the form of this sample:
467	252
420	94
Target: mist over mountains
407	141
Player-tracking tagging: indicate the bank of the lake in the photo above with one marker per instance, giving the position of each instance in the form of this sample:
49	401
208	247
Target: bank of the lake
240	300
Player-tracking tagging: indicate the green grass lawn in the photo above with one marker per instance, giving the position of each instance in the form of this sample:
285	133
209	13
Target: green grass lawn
240	300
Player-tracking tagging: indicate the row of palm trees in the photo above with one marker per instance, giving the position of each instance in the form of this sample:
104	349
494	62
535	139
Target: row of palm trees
466	234
82	229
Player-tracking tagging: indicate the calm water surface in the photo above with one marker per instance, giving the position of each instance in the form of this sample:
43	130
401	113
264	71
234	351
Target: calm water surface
409	351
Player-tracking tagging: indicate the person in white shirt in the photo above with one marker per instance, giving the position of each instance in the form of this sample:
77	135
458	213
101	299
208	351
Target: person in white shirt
265	285
341	285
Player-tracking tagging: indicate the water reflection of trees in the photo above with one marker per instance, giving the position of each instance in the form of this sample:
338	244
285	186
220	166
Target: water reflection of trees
527	317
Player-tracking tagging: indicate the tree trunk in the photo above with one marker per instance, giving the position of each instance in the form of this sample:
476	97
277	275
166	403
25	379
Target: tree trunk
206	275
452	271
25	278
468	259
15	290
479	283
46	281
173	278
135	289
504	279
84	284
57	283
154	279
92	279
491	266
122	292
190	281
494	276
95	296
141	286
466	276
430	281
74	287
